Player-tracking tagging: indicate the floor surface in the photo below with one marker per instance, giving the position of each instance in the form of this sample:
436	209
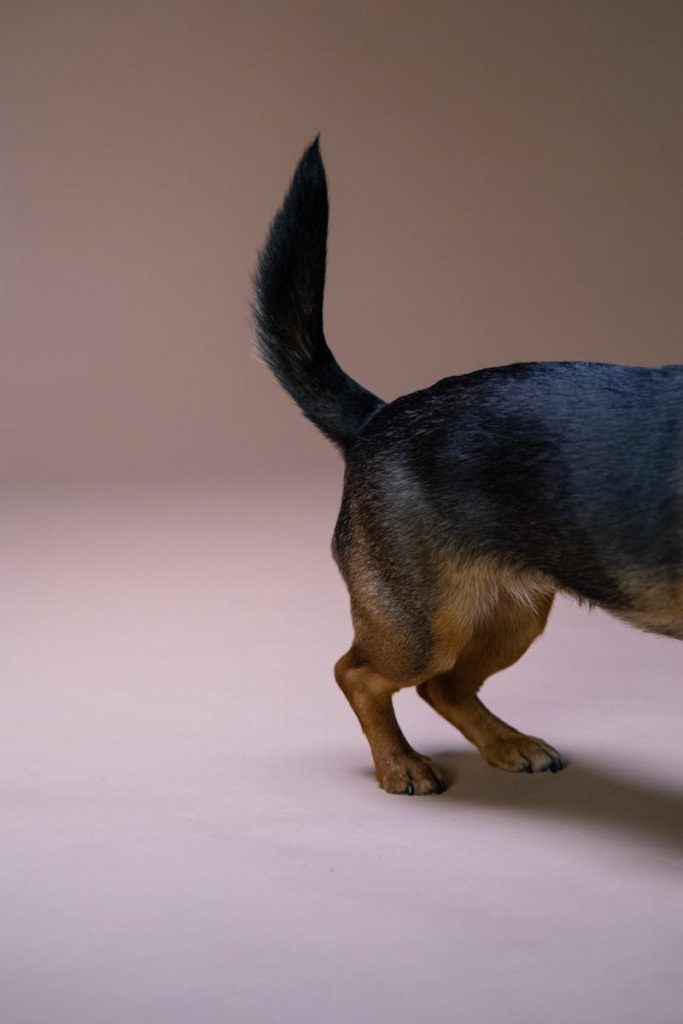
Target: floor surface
190	830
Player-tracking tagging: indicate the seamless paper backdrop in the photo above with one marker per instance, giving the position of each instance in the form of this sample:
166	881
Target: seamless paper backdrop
190	829
505	184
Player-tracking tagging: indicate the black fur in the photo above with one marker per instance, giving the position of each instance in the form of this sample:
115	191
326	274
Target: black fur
571	469
288	310
574	470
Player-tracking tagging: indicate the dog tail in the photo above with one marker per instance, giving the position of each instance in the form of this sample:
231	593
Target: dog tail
288	310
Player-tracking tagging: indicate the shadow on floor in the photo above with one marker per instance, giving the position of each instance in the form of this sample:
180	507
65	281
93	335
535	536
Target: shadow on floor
586	793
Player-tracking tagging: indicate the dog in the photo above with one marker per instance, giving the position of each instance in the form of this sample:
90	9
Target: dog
468	505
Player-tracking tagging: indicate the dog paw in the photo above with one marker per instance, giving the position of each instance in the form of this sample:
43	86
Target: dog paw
523	754
413	774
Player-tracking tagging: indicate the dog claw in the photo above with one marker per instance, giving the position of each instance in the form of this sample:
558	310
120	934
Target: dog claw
523	754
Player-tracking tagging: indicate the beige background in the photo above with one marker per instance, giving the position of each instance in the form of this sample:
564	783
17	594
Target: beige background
505	184
190	830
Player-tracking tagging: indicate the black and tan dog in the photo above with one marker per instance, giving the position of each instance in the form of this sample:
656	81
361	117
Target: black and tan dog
467	505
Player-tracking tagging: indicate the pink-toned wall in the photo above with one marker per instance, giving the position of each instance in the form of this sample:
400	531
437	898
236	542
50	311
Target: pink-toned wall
505	184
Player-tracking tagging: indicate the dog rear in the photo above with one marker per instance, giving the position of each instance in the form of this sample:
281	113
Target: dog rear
467	505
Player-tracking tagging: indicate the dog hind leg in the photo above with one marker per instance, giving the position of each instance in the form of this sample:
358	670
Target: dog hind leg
398	767
496	643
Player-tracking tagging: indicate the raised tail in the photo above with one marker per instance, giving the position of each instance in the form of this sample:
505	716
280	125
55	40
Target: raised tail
288	310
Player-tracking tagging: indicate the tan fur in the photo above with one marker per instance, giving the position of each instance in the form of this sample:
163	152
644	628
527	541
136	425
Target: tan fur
485	618
496	643
399	768
657	606
475	594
